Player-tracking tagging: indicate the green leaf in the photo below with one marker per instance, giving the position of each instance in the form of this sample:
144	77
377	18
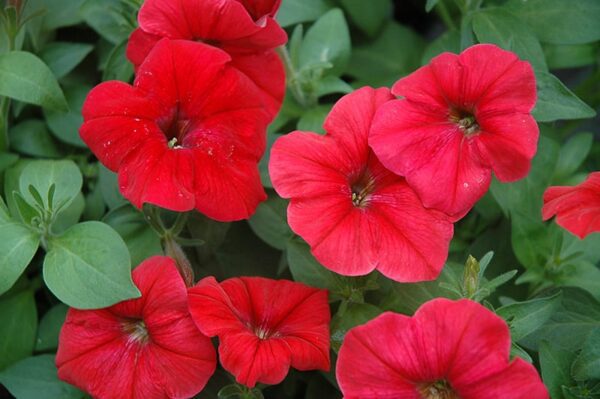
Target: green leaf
348	317
561	56
555	363
58	13
500	27
571	324
293	12
395	53
306	269
112	19
35	376
312	120
327	41
63	57
408	297
556	101
430	4
25	77
89	267
118	66
49	328
141	240
110	187
69	215
368	16
65	125
31	137
331	85
263	166
18	316
572	155
18	245
559	21
587	365
447	42
64	175
526	317
269	222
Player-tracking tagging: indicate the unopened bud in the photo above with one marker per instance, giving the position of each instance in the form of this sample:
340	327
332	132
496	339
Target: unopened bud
471	276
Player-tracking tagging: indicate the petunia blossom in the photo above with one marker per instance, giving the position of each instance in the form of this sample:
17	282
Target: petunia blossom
246	29
577	208
146	348
355	214
188	134
447	350
461	117
264	326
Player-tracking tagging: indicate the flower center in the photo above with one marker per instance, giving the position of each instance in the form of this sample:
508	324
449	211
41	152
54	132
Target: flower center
362	188
264	332
437	390
465	120
175	127
136	330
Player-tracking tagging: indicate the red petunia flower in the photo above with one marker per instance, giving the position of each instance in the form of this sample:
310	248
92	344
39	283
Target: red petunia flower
355	214
448	349
246	29
141	348
462	117
577	209
264	326
188	134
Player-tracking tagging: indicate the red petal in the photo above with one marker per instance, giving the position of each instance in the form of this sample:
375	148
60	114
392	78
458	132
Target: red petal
222	21
305	165
297	313
161	287
422	87
253	360
577	208
441	341
350	119
496	80
413	240
214	312
260	8
116	120
475	344
155	174
508	143
180	73
227	186
342	237
366	371
267	71
518	381
443	166
139	46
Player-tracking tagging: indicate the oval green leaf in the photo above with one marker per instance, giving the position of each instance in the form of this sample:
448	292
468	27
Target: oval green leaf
88	267
25	77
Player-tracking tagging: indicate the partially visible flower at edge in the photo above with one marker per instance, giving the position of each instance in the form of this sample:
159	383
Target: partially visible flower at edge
246	30
264	326
448	349
140	348
577	209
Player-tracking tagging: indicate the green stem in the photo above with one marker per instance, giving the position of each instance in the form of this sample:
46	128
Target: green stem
445	15
292	76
